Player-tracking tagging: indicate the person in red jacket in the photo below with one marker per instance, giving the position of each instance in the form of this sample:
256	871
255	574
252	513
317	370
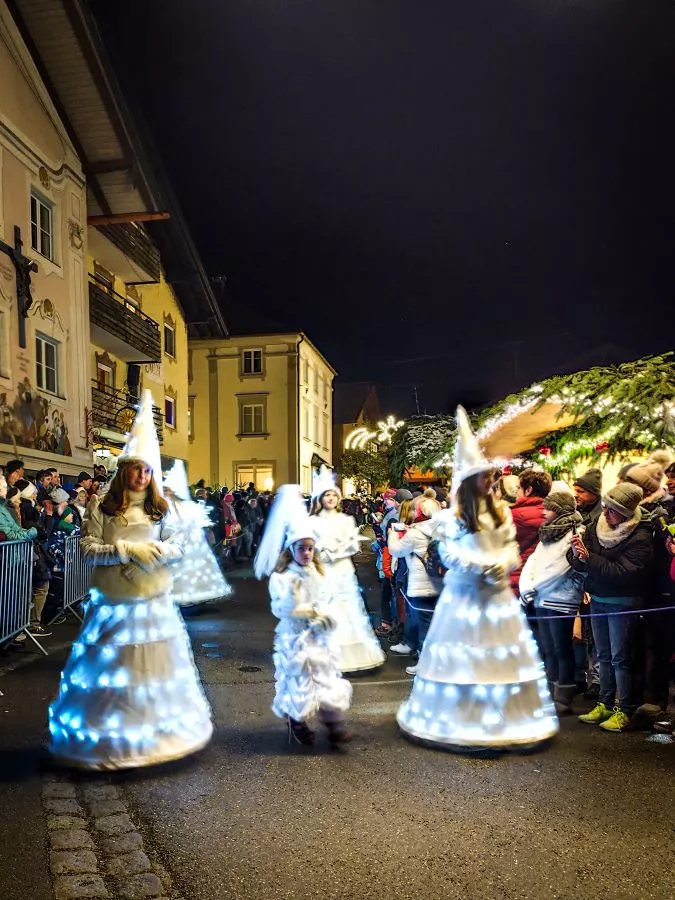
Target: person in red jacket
528	516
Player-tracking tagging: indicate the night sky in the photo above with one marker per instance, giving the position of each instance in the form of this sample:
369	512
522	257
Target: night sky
459	195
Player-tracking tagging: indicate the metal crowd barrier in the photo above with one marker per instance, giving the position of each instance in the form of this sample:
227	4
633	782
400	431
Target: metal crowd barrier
76	578
16	590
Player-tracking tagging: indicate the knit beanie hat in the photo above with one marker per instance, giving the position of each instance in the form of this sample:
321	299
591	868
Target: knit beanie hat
389	494
662	457
403	494
624	498
624	470
591	481
509	485
557	486
58	495
648	477
83	476
561	502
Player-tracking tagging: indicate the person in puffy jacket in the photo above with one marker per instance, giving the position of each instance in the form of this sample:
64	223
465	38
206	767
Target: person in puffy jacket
528	516
9	527
615	555
411	543
555	590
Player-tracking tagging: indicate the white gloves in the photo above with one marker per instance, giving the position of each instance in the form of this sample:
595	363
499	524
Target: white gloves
147	556
495	575
322	623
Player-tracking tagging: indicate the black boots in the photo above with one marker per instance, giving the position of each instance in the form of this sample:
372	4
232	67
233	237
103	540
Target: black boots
302	733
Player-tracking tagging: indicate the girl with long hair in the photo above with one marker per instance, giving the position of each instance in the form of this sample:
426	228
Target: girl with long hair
480	683
130	694
337	540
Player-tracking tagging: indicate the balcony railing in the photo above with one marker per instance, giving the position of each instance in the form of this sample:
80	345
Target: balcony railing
116	410
131	334
134	242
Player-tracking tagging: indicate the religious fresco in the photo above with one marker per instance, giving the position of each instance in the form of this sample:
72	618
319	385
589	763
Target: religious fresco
30	420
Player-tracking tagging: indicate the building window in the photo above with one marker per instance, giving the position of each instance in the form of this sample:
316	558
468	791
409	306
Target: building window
324	436
305	371
261	474
47	364
251	362
305	420
41	225
170	411
170	340
191	418
252	418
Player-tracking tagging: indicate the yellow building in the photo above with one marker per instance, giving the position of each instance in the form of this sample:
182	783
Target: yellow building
117	269
44	332
261	408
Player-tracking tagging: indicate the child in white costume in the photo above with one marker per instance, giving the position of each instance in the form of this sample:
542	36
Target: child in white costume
306	662
480	683
337	540
130	694
198	578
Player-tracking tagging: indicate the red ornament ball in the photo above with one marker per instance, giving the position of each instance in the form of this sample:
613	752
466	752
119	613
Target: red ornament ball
545	451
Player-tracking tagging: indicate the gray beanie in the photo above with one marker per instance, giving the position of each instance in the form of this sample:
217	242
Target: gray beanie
561	502
624	470
624	498
591	481
403	494
648	477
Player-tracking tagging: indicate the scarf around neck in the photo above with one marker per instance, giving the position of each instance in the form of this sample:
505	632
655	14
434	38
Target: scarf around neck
612	537
559	527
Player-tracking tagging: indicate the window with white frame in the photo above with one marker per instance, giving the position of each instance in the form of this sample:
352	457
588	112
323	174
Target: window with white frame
170	411
41	225
252	362
324	434
252	418
47	364
169	340
191	418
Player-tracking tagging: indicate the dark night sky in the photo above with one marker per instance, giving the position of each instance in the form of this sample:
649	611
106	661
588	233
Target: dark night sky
463	195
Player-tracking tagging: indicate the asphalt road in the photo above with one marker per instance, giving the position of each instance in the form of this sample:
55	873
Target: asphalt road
254	817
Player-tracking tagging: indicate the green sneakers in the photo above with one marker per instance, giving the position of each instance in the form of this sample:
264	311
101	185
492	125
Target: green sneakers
598	714
617	721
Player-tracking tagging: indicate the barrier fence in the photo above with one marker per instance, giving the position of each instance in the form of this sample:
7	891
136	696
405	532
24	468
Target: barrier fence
16	587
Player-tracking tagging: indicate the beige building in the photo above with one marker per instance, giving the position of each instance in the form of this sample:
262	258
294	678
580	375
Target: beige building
261	408
118	283
44	329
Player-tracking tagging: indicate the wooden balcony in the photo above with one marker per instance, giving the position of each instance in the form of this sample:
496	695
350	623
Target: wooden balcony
119	327
133	241
113	413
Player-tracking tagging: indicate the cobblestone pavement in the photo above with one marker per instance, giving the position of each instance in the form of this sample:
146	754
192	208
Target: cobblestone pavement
254	818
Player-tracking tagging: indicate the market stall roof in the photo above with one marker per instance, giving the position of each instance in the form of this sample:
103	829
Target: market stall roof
520	433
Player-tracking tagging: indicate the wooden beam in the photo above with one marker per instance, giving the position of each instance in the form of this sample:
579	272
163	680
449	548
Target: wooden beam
101	167
122	218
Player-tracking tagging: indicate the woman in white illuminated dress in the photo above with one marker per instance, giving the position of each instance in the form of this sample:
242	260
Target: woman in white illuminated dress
480	682
130	694
198	579
337	540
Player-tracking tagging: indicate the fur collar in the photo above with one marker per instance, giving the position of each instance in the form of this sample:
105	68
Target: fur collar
612	537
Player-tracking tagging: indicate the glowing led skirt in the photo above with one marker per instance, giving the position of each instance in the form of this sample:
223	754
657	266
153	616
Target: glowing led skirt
197	578
130	693
358	647
480	681
307	672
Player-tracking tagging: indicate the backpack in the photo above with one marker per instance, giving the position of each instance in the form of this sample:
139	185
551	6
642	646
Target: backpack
432	562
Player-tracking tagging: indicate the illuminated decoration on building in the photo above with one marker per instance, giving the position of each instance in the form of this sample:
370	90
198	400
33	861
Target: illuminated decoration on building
361	437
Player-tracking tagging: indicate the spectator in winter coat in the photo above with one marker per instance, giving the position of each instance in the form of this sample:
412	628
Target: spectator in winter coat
528	516
14	472
43	524
412	543
10	530
588	491
555	590
615	555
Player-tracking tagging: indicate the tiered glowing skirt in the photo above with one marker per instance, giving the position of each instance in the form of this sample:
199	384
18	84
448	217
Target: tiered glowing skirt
130	694
480	682
358	646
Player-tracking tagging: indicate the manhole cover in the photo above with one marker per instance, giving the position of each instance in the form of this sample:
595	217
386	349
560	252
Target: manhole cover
250	669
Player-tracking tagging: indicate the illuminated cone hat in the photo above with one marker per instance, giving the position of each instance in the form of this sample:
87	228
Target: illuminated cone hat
177	481
142	442
324	481
469	459
288	522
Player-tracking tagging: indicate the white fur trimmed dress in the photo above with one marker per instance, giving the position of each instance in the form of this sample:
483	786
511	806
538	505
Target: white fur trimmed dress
337	540
130	693
480	682
306	661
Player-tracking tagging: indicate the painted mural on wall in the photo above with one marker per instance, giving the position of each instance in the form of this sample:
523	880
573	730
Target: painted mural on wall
30	420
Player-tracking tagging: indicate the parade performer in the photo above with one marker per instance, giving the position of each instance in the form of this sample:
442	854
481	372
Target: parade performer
306	660
337	540
130	694
480	683
198	578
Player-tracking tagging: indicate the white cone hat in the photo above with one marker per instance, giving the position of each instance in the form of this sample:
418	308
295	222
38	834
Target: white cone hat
177	480
324	481
142	441
469	458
